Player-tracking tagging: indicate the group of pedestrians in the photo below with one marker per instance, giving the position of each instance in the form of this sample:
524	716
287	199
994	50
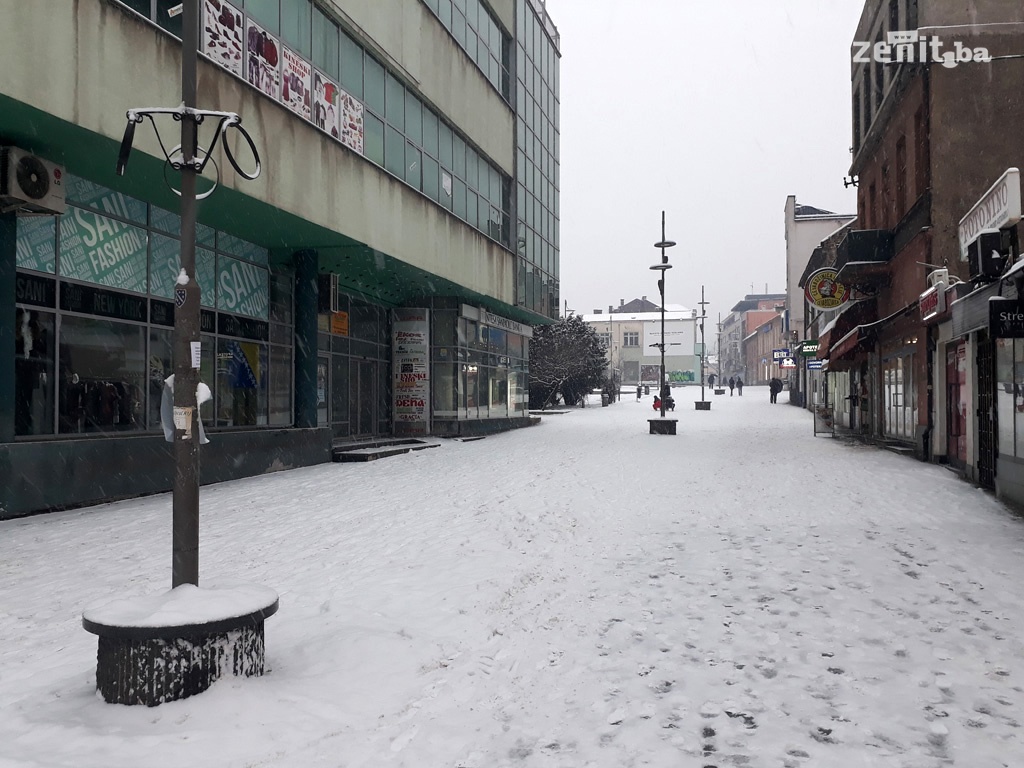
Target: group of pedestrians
735	383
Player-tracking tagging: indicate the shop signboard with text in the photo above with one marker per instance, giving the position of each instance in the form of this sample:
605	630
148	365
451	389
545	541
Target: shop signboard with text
998	208
1006	318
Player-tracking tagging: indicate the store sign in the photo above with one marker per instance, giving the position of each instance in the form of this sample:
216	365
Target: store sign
809	348
410	345
779	354
933	301
96	301
339	323
497	321
998	208
35	290
222	35
295	83
787	362
1006	318
815	365
824	291
263	59
242	288
98	249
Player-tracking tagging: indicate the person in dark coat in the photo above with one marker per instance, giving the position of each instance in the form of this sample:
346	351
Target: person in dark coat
739	386
774	387
639	391
732	385
711	379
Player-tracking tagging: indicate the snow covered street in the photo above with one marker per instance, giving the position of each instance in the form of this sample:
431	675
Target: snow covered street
579	593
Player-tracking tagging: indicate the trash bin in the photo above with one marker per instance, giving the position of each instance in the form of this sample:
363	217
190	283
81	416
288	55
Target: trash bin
647	389
604	399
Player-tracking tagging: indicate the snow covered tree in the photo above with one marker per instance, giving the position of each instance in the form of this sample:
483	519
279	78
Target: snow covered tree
567	358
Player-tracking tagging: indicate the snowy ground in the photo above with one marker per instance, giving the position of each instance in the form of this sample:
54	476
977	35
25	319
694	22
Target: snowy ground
577	594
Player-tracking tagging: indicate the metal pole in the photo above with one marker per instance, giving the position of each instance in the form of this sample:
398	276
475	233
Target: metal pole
703	314
185	546
663	267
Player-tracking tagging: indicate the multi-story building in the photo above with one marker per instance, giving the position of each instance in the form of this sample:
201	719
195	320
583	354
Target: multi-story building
930	371
410	174
740	326
631	337
805	227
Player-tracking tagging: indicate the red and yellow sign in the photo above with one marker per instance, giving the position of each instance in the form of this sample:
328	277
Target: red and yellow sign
824	291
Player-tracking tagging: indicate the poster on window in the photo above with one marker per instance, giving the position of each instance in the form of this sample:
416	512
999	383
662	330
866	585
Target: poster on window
36	240
351	122
410	344
326	106
295	78
264	59
222	34
242	288
165	265
98	249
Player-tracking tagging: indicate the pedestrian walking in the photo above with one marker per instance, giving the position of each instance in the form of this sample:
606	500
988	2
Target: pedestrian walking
711	379
732	385
639	391
774	387
739	386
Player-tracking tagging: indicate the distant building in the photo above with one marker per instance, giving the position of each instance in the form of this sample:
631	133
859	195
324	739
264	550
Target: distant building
739	325
630	336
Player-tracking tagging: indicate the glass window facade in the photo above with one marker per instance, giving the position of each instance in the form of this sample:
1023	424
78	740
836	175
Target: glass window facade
478	33
537	162
94	316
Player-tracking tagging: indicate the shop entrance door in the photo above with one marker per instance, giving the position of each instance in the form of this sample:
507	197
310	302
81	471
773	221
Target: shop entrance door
986	413
956	408
363	398
323	386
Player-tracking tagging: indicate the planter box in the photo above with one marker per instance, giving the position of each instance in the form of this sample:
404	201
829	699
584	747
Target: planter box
662	426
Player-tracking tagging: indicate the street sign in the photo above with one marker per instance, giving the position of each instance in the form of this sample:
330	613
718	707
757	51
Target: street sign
815	365
779	354
809	348
787	362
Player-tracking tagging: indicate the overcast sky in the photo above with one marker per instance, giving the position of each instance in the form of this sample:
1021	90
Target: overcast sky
711	111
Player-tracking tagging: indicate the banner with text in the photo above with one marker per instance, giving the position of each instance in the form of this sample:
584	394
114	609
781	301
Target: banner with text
410	343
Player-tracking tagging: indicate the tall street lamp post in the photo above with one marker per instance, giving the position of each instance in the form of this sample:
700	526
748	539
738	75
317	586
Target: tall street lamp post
662	267
702	404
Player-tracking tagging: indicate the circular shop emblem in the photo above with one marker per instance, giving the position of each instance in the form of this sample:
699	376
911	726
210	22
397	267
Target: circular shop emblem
824	291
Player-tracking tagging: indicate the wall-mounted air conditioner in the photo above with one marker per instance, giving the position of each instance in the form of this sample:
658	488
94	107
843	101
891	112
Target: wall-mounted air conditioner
30	183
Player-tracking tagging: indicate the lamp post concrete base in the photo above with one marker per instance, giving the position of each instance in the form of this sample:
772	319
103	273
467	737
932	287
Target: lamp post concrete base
719	391
702	405
663	426
145	659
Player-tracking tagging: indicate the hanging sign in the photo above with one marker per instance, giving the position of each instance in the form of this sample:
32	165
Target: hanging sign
787	362
815	365
809	348
779	354
824	291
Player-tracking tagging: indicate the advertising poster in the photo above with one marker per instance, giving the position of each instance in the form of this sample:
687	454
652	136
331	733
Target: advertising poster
97	249
36	243
222	34
264	59
165	265
410	339
326	105
242	288
295	79
351	122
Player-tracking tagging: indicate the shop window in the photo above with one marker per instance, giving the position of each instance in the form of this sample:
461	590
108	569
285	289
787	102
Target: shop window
33	372
280	396
444	390
499	392
339	388
241	383
102	250
102	373
161	365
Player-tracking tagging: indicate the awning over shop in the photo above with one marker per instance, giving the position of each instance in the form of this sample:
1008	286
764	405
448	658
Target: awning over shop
861	337
856	313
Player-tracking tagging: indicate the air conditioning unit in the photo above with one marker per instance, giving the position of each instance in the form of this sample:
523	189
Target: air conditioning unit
30	183
938	276
987	256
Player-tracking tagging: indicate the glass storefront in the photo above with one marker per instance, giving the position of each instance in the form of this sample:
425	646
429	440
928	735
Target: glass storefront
94	320
899	395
